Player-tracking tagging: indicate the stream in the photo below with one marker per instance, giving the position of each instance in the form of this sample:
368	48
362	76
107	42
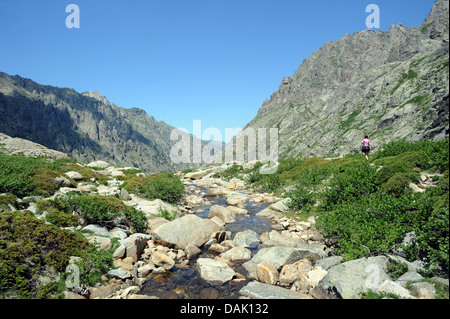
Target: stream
181	283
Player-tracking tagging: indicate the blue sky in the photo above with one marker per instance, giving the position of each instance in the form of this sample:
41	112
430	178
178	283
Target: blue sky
181	60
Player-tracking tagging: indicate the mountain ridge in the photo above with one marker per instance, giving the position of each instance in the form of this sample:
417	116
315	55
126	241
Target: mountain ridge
388	84
85	125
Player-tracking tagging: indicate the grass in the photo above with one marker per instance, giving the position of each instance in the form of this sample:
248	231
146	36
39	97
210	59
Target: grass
367	209
404	78
351	118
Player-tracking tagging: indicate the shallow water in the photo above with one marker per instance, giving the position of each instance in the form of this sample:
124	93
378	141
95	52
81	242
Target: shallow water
186	284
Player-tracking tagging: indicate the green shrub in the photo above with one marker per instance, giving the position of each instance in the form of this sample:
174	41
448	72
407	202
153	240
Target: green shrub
96	209
301	198
355	182
396	269
94	263
269	183
399	182
293	169
7	200
16	174
158	186
431	224
27	244
433	155
24	176
164	213
254	177
230	173
62	219
368	226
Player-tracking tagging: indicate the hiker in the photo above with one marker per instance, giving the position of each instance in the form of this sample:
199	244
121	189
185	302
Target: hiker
366	144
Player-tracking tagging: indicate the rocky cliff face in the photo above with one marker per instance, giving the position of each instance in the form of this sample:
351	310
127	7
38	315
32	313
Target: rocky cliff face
85	126
390	85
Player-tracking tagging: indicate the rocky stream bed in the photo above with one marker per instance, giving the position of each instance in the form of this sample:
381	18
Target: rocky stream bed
229	242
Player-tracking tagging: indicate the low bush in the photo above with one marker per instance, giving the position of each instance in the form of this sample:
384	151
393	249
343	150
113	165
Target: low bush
94	209
158	186
27	245
24	176
399	182
301	199
269	183
354	183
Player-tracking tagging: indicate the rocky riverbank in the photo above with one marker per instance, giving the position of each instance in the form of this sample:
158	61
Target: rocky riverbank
224	239
195	256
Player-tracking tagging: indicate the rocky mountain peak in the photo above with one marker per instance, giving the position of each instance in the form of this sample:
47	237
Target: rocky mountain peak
436	25
390	84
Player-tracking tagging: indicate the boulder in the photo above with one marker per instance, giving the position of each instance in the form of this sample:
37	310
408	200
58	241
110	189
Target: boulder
237	211
135	245
214	271
162	260
316	275
424	290
390	287
150	208
198	174
293	272
120	273
74	175
279	256
192	251
237	254
281	206
267	213
274	238
352	278
124	194
259	290
328	262
98	164
62	182
118	173
267	274
97	230
221	212
409	276
130	291
247	238
236	198
185	231
103	243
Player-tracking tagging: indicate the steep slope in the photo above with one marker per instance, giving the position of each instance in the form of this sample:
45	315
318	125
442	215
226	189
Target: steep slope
85	126
389	85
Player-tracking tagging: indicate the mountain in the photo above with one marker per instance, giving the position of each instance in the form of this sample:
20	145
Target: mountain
85	126
388	84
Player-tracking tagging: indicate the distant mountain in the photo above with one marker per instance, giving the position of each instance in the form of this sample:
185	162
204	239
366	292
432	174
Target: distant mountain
390	85
85	126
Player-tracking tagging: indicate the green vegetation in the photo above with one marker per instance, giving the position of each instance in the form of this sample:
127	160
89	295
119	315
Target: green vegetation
351	118
367	208
24	176
32	248
405	77
28	245
106	211
230	173
164	213
425	27
166	187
